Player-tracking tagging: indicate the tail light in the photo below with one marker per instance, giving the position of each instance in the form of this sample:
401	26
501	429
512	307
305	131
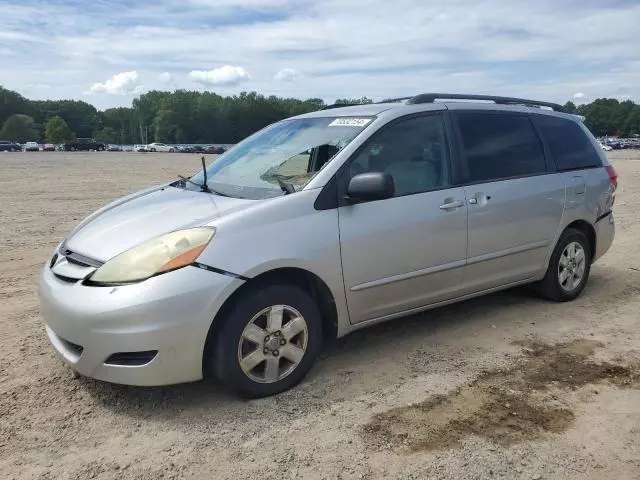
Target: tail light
613	176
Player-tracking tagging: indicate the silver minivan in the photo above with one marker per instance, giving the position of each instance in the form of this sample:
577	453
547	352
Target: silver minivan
322	224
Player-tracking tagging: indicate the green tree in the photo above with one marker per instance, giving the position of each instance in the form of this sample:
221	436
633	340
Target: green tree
601	116
123	121
19	128
184	116
11	103
107	135
632	122
82	118
571	107
146	107
57	131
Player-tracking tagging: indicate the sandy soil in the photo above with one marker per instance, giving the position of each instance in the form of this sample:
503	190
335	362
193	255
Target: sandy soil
505	386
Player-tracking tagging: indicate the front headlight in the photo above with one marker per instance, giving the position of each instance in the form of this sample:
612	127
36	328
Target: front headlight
161	254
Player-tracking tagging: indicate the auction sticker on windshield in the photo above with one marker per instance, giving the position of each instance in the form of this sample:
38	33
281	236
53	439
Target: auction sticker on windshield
350	122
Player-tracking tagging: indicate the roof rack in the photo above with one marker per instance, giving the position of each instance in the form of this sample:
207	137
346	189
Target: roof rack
432	97
394	100
339	105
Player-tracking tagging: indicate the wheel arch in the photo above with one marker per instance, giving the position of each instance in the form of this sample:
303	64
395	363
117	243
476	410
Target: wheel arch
589	231
294	276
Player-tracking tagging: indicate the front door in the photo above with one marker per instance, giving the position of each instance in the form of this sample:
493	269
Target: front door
408	251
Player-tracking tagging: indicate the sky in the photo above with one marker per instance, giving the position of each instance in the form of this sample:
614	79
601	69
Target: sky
108	52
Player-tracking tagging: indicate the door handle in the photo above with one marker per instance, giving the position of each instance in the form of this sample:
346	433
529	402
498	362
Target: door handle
451	205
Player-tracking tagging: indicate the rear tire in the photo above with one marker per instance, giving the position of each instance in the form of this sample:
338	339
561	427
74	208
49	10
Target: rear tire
282	356
569	267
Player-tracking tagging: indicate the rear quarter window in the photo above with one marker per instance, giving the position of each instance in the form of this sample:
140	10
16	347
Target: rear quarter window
568	143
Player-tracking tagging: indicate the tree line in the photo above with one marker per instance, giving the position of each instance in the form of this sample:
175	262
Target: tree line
609	117
184	116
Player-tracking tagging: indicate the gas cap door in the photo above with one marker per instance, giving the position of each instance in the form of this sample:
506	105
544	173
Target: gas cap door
579	185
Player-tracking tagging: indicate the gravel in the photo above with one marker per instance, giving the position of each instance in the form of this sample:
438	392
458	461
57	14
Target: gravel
55	425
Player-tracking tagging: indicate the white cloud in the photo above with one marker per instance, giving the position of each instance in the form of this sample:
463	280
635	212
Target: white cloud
579	97
165	78
120	84
518	48
224	76
288	75
238	3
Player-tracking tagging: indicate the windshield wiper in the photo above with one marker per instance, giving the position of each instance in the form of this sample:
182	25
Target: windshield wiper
204	187
286	187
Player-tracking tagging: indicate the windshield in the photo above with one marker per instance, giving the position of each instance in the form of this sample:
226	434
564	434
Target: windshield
291	151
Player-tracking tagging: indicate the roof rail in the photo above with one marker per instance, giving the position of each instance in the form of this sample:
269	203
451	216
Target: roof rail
431	97
394	100
339	105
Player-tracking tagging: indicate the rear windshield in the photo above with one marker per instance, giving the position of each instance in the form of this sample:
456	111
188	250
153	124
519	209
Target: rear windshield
568	143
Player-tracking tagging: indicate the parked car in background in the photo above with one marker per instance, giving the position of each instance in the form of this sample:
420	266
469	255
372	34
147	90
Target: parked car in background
85	145
160	147
140	148
323	224
114	148
48	147
214	150
7	146
32	147
606	148
186	149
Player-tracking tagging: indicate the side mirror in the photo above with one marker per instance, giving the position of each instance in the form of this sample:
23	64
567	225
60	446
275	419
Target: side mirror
366	187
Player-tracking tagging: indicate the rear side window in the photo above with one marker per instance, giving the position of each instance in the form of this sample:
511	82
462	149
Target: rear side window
568	144
497	146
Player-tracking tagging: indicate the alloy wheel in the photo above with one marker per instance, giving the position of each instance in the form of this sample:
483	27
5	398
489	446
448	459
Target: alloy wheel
571	266
273	344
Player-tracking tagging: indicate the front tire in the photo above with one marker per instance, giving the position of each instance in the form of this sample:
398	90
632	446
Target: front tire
268	342
569	267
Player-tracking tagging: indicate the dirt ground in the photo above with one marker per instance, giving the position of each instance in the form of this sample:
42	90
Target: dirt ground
505	386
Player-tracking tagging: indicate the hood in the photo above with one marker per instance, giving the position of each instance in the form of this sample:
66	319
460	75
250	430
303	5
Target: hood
130	221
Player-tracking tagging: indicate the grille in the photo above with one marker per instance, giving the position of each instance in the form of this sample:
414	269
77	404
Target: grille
80	260
131	358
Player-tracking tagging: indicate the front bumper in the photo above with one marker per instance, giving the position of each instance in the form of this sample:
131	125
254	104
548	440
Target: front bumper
170	314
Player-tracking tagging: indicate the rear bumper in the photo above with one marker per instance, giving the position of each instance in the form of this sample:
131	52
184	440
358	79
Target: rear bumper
605	232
